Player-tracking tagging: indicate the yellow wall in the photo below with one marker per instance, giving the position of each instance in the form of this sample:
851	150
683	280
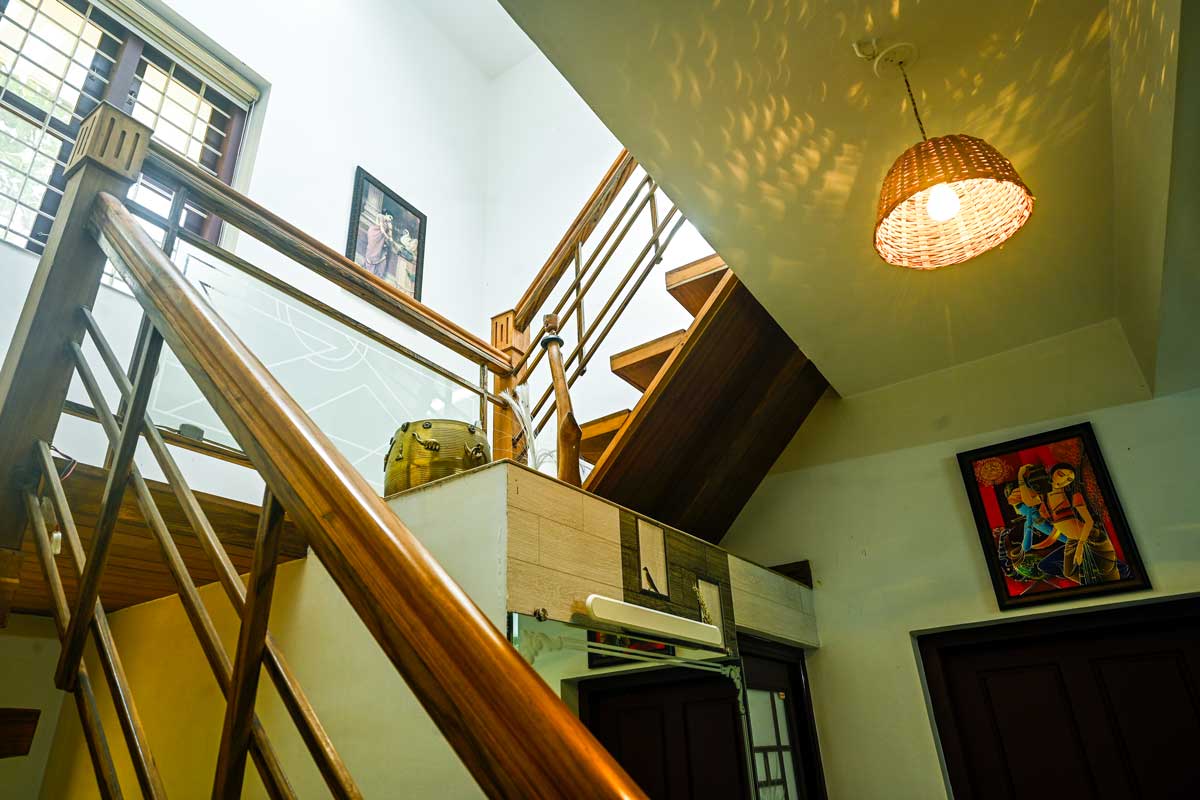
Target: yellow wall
894	550
28	654
370	715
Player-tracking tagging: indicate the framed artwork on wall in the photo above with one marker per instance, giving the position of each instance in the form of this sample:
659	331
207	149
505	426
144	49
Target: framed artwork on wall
386	235
1049	519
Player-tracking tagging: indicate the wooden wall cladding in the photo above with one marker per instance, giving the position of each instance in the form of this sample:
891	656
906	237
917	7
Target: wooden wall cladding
688	558
562	546
771	604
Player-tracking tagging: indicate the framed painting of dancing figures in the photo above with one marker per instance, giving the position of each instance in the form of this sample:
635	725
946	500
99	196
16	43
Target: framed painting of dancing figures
1049	519
387	235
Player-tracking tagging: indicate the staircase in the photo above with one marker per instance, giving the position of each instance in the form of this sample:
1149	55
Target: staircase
720	402
509	729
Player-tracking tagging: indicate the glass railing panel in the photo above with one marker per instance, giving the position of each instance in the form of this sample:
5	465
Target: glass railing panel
357	390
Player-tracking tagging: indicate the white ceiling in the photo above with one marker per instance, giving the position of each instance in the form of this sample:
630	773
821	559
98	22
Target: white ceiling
481	30
758	119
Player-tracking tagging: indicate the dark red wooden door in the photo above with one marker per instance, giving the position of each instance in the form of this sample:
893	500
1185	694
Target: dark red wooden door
1101	705
678	739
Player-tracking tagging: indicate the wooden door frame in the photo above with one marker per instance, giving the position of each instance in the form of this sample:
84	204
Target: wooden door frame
933	647
807	745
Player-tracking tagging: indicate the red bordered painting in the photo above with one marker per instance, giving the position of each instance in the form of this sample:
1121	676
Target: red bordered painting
1049	519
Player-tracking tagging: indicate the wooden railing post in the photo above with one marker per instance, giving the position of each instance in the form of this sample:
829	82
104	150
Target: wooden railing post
37	368
513	342
569	434
248	661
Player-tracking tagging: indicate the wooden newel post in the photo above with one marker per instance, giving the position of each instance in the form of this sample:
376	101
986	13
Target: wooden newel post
569	434
38	366
507	441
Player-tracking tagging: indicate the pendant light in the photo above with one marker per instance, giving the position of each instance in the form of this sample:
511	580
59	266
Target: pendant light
946	199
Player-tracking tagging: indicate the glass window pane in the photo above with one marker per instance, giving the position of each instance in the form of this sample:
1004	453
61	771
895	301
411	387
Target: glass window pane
20	12
781	716
789	774
63	15
760	767
762	724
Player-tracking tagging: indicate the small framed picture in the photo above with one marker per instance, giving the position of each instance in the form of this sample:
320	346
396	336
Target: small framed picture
1049	519
386	235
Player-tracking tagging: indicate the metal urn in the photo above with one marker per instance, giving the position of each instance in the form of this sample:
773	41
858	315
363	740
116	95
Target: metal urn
428	449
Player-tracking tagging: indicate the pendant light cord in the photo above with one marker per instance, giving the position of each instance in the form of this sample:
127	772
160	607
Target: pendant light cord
912	100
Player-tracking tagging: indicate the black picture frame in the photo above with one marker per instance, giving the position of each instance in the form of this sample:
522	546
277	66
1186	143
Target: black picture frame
993	544
393	257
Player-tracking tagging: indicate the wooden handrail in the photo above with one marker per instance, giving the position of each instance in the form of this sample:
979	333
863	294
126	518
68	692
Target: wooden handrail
510	730
279	234
583	224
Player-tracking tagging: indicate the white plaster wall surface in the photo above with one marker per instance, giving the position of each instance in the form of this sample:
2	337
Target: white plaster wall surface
500	166
894	549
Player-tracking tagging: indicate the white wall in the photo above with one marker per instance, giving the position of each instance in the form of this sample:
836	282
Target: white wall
894	547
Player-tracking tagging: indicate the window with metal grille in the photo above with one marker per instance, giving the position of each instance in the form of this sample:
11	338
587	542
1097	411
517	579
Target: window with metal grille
58	60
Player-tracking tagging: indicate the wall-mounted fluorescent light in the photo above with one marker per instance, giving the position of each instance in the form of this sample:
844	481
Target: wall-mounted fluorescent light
647	620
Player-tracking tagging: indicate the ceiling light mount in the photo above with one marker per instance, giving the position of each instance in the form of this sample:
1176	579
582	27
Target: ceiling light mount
890	60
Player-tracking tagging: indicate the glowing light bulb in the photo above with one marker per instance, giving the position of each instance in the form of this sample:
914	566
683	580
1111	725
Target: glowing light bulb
942	204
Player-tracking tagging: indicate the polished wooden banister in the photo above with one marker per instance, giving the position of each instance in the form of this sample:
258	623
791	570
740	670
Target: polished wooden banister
271	229
584	223
508	727
569	434
337	777
265	758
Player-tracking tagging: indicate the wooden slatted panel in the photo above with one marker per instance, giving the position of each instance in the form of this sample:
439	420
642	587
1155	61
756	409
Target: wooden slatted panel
135	572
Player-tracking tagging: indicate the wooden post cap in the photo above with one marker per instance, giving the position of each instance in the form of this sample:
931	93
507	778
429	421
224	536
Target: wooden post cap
112	139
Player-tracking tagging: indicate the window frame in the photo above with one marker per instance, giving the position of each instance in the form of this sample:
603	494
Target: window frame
170	35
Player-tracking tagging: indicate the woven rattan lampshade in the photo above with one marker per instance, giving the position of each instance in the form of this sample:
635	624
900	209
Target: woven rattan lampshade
993	203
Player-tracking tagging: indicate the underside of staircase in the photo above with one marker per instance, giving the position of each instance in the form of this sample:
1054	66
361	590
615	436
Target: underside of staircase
720	402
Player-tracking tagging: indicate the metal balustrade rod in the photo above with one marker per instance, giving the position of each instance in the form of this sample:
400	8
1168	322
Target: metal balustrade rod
333	769
581	227
214	197
110	506
579	370
520	366
85	698
240	264
578	293
265	758
620	287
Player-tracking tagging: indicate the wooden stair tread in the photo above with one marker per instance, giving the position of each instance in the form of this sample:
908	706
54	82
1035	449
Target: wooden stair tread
637	366
598	433
692	284
714	419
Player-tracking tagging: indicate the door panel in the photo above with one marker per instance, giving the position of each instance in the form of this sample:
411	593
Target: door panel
677	733
1100	704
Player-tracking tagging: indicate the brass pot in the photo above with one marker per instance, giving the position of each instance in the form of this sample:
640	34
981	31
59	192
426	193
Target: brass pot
428	449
